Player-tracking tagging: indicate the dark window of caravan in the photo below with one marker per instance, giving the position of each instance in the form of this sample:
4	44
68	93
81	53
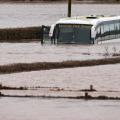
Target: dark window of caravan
107	30
74	33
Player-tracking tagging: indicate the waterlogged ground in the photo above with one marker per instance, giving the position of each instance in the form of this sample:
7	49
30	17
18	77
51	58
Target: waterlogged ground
63	109
60	82
21	15
58	109
35	52
104	78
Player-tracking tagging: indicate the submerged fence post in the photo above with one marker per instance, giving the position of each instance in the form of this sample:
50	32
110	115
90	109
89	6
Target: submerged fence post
91	88
69	8
0	94
86	95
42	34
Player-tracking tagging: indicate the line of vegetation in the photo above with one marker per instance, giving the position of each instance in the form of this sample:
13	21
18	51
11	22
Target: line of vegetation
24	67
63	97
86	95
56	0
100	0
20	34
12	88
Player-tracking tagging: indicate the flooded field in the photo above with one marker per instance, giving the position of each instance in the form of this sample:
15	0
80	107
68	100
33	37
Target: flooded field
61	82
21	15
48	109
66	82
35	52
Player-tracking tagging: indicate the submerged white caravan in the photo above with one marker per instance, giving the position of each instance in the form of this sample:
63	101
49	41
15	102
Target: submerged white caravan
86	29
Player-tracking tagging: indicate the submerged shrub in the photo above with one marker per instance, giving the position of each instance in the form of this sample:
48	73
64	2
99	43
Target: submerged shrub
20	34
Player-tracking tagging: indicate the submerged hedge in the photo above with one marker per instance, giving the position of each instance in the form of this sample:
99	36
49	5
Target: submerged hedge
20	34
23	67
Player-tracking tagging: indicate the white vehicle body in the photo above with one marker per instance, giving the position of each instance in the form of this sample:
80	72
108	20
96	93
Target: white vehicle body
100	27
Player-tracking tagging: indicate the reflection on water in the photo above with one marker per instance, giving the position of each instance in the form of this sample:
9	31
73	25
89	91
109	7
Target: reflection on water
55	109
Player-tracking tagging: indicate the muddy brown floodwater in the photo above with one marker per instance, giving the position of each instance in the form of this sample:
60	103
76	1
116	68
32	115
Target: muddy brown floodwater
104	78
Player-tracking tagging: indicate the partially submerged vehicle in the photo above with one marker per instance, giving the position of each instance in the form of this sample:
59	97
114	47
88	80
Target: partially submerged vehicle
85	29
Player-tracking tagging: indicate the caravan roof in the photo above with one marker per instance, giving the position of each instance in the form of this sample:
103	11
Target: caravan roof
88	20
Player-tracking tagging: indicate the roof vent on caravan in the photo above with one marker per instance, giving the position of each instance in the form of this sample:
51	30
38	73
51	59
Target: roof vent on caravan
91	17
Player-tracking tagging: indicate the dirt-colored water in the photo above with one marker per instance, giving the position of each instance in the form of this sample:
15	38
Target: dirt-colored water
104	78
21	15
49	109
34	52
